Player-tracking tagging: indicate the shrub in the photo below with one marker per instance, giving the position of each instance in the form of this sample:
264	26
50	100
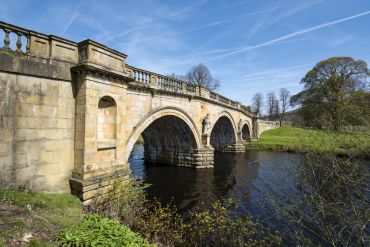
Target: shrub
95	230
162	224
221	226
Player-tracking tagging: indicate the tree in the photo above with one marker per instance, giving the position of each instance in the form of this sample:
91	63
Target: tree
284	100
257	103
271	104
329	88
201	76
178	77
276	109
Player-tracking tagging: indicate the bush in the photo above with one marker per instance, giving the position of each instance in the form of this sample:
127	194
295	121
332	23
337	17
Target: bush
95	230
217	226
162	224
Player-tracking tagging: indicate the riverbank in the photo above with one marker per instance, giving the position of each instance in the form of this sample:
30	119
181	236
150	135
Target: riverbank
293	139
39	219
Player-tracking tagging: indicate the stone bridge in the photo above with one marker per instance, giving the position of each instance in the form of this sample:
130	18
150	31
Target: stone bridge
70	114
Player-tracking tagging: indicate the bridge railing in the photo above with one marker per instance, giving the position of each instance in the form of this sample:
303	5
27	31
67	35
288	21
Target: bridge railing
171	84
25	41
159	81
20	33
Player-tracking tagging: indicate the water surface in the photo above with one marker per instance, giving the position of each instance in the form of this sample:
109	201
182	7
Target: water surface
260	180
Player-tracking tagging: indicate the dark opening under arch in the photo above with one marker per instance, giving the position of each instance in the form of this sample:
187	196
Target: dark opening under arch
223	134
246	135
169	140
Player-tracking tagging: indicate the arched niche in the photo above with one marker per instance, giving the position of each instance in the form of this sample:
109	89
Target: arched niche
107	118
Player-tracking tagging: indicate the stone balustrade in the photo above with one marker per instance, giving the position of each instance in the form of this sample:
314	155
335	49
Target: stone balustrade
167	83
92	53
20	33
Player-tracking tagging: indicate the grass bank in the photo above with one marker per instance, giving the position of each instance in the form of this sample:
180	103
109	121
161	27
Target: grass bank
319	141
39	219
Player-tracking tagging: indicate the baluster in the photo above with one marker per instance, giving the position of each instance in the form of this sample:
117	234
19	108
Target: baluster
6	39
19	42
28	43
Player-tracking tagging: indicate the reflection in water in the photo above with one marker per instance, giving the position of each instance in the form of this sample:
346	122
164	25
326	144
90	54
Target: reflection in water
253	177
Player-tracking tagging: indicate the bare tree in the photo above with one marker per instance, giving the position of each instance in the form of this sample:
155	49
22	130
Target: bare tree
270	104
201	76
284	100
276	109
257	103
178	77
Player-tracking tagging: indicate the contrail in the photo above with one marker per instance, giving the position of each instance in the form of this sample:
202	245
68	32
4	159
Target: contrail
291	35
212	24
71	20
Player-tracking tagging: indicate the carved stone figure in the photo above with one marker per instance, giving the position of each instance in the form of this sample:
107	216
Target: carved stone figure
206	124
240	125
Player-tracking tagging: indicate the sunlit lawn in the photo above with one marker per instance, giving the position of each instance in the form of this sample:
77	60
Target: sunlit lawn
320	141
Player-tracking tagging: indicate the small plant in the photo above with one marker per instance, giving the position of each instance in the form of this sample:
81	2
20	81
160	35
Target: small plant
154	91
7	196
95	230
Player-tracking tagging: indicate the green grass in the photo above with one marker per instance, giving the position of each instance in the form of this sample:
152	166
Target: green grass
44	215
319	141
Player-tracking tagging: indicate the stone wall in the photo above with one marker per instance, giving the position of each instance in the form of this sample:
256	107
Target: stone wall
36	124
264	125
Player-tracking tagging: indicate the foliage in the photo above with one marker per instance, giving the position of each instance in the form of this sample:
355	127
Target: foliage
221	226
334	193
95	230
318	141
201	76
162	224
329	92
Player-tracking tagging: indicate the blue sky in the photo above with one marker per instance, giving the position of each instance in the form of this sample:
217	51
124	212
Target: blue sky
249	45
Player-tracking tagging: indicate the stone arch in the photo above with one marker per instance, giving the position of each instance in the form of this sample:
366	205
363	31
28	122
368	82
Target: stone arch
245	132
107	118
170	135
223	132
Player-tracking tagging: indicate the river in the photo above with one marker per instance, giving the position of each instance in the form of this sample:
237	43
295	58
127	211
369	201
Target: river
260	180
263	182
